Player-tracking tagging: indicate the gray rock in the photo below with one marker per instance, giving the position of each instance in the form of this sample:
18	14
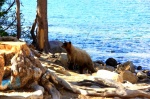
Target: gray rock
126	66
129	76
63	59
100	65
105	74
55	47
141	75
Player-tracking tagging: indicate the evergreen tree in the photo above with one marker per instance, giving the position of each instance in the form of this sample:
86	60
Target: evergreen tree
7	17
2	32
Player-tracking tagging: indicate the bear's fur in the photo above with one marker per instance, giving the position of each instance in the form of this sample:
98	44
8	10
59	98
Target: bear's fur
78	57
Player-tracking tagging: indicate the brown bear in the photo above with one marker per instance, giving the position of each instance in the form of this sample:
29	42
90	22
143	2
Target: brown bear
78	57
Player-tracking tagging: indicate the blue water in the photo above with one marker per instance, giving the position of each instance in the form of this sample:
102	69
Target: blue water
104	28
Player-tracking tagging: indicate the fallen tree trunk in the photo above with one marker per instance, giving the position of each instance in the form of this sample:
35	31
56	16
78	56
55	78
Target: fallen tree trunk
121	91
45	80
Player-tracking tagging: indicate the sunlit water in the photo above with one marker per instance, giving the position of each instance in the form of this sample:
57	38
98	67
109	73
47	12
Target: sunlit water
104	28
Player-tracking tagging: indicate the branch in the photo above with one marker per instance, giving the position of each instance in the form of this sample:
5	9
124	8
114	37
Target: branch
10	7
10	24
32	31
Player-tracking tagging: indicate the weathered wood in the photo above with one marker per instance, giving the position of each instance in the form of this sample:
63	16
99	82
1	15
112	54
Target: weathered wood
49	86
2	63
35	53
8	38
18	19
7	72
52	90
22	70
34	42
42	30
59	69
36	94
118	91
14	47
121	91
24	67
109	82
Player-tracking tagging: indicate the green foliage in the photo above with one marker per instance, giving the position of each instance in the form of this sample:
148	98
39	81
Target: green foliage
8	20
3	33
7	15
2	14
1	3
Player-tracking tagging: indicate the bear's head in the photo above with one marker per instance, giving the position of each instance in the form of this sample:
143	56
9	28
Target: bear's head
67	46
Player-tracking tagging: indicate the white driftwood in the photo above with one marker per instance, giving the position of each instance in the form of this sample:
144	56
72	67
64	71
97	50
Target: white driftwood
62	71
121	91
37	94
135	87
118	91
52	90
109	82
35	52
49	86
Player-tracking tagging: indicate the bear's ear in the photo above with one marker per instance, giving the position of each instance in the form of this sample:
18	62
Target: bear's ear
64	44
69	42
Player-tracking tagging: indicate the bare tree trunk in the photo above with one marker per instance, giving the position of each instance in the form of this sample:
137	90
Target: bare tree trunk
34	42
42	31
18	19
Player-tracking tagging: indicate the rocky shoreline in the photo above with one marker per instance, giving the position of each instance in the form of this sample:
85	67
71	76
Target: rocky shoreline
110	64
46	76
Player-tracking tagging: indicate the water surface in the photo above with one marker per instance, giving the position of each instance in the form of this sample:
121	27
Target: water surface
104	28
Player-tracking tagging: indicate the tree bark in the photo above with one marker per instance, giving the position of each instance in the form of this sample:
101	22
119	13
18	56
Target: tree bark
18	19
42	31
34	42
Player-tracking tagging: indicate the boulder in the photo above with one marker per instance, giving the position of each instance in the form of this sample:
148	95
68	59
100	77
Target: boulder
55	47
17	65
99	62
19	68
139	68
63	59
110	68
129	76
141	75
111	62
100	66
126	66
105	74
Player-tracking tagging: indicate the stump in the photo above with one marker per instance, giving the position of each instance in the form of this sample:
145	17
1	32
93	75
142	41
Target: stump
18	66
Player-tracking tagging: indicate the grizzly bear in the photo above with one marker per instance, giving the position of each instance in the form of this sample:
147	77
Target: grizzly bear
78	57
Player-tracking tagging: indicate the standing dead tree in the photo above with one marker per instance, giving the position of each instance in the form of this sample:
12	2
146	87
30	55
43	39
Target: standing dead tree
41	38
18	19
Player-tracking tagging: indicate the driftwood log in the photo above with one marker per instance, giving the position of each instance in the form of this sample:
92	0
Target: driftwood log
115	89
20	68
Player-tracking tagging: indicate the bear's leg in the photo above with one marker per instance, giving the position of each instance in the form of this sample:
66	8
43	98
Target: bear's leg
84	70
81	69
91	68
70	66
